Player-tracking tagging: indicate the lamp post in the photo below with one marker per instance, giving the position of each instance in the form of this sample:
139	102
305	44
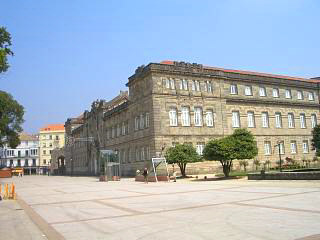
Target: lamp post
280	164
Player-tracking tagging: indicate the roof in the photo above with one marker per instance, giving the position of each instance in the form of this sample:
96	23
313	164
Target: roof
27	137
169	62
53	127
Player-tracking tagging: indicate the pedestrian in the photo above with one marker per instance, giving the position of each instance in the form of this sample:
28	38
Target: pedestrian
145	175
174	176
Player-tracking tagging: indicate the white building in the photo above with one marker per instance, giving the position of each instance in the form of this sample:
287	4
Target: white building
25	155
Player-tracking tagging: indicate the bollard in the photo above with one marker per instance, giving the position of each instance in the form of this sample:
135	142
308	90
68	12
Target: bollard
11	195
0	192
6	192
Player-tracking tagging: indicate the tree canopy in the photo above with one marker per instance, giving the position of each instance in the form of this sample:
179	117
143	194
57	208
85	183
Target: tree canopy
316	139
182	154
11	118
11	112
5	51
240	145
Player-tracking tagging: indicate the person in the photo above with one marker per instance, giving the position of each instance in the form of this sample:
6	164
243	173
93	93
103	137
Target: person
174	176
145	175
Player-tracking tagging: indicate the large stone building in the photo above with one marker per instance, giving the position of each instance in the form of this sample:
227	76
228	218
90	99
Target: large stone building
25	155
176	102
51	136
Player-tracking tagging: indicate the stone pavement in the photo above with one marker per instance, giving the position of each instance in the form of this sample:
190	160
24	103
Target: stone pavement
83	208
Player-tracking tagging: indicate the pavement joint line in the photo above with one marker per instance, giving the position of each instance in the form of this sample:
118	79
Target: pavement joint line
311	237
119	207
180	209
277	208
44	227
124	197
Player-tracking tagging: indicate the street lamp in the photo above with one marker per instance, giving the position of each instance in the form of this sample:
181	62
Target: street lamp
278	145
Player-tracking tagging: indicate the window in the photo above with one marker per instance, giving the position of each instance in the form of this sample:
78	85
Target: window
267	148
137	154
235	119
11	163
293	146
123	128
44	161
173	117
305	146
265	119
44	145
185	117
136	124
172	83
27	153
113	133
195	85
147	120
50	151
185	84
19	163
313	120
142	153
288	93
44	152
251	122
141	121
262	92
278	120
300	95
233	89
302	120
33	162
281	145
275	92
167	82
291	120
311	96
208	85
248	91
50	144
118	130
57	137
199	148
209	118
19	153
50	137
197	116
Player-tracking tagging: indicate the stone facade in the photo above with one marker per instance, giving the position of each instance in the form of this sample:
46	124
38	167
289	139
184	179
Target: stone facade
177	102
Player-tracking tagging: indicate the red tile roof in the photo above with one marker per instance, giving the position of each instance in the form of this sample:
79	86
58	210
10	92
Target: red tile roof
53	127
169	62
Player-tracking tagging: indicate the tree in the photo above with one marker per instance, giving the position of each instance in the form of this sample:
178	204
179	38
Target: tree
316	139
11	112
5	43
244	163
11	118
240	145
182	154
257	163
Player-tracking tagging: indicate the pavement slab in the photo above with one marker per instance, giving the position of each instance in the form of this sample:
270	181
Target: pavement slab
84	208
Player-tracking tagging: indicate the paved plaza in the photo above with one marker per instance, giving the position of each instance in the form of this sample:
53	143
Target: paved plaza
83	208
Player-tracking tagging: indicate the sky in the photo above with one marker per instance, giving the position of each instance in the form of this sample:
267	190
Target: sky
70	53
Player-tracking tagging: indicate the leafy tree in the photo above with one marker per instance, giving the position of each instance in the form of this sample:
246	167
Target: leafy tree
182	154
240	145
5	43
316	139
257	163
245	164
11	112
11	118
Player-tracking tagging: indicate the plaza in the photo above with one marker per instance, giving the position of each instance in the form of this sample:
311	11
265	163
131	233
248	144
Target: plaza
84	208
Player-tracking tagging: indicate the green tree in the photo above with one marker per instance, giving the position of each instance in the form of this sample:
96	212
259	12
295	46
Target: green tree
245	164
11	112
5	51
11	118
182	154
240	145
316	139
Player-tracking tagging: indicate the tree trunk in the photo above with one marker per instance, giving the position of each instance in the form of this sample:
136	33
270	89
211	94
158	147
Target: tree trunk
182	167
226	167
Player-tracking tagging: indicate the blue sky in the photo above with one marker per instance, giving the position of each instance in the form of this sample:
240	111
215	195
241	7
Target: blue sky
69	53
